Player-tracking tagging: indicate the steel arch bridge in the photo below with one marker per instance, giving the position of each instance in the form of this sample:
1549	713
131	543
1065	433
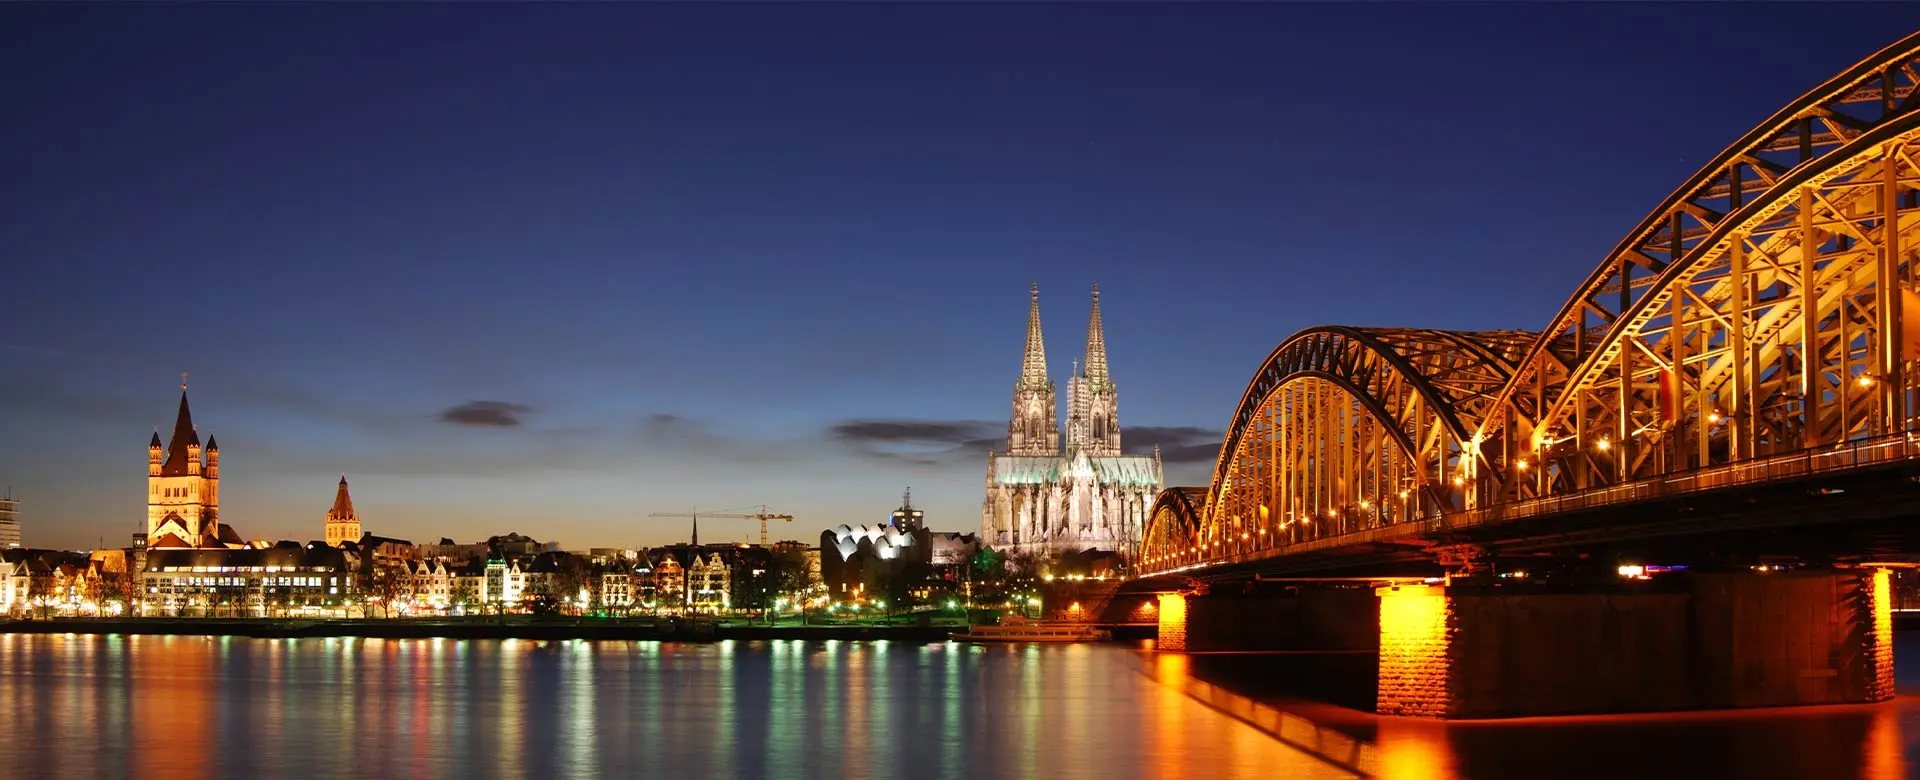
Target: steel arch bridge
1762	315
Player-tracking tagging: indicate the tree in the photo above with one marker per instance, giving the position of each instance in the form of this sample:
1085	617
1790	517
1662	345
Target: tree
464	594
569	578
40	592
389	584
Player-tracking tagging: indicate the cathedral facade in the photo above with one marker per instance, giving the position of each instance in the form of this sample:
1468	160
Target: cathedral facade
183	488
1043	498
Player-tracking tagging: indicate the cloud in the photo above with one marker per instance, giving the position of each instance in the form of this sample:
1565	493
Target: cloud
485	414
1179	444
919	442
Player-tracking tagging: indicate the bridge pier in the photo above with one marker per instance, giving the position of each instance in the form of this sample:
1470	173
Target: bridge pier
1725	641
1309	619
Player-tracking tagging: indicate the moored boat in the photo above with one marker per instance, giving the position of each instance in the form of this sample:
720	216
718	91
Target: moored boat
1026	631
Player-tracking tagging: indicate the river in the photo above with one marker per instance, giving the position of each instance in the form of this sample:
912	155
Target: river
78	706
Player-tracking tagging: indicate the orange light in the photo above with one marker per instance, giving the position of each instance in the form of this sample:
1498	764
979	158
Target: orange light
1521	464
1603	445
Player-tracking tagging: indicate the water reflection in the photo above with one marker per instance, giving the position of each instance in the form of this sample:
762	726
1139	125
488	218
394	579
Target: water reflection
190	707
1879	741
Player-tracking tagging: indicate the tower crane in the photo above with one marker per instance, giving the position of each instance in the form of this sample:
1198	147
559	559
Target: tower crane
763	516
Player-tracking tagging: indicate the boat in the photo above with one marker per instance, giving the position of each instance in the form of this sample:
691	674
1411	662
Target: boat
1019	630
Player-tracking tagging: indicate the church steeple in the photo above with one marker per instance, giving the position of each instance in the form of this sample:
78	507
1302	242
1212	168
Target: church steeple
343	524
183	450
1033	430
1033	369
1093	412
1096	363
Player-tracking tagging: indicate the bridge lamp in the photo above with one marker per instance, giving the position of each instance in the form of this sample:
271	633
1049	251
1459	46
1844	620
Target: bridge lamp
1713	417
1865	380
1459	480
1365	505
1520	464
1603	445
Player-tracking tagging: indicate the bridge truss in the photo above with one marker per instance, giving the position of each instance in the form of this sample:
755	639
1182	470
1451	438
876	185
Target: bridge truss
1765	307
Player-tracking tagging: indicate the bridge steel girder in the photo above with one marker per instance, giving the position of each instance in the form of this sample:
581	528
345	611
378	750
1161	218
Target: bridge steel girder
1757	311
1744	317
1173	525
1344	429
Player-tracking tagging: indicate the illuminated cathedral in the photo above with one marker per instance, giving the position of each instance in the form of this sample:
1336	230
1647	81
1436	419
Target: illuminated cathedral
1043	499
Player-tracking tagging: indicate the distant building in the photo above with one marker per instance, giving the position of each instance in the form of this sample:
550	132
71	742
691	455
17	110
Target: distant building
9	522
906	518
1042	501
343	524
183	489
284	579
859	561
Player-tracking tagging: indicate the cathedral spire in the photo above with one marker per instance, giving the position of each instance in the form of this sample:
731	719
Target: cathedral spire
1032	429
184	436
342	503
1033	370
1095	367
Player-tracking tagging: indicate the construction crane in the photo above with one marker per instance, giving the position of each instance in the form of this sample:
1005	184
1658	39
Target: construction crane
763	516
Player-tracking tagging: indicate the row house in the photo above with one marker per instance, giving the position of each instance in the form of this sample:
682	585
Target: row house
427	584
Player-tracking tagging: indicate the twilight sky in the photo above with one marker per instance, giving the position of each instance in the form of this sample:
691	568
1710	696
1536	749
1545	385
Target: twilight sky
550	268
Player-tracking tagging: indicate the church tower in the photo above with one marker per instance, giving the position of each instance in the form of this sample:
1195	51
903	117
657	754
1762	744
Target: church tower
1033	429
1093	405
183	486
343	525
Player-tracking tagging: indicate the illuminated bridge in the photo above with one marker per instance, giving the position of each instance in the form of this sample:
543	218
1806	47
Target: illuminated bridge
1735	378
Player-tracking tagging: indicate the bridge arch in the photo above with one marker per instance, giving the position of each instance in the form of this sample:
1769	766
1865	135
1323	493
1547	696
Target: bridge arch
1756	311
1345	428
1172	528
1766	306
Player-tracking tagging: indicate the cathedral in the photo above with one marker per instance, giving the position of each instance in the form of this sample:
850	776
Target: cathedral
1042	499
183	489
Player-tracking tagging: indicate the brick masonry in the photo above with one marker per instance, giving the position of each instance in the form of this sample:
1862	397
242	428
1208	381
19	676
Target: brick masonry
1173	623
1416	628
1726	641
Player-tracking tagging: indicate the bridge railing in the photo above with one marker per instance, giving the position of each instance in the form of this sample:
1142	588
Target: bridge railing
1803	463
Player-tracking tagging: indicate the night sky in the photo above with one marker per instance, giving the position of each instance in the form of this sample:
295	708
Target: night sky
550	268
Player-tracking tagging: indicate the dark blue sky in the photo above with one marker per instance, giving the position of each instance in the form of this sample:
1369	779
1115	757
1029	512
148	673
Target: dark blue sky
696	251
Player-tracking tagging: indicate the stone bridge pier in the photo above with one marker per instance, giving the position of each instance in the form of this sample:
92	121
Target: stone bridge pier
1695	642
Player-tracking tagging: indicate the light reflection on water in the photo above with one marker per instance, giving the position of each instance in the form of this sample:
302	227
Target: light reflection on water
202	707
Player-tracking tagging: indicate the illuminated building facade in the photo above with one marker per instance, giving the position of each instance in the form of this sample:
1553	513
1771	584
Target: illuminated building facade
284	579
9	522
343	524
1042	501
183	489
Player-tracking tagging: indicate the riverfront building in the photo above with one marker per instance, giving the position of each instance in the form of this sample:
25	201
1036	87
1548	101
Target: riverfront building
1041	500
343	524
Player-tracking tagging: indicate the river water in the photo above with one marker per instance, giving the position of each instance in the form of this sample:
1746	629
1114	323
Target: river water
214	707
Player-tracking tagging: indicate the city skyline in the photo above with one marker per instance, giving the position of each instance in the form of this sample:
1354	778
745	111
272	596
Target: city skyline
595	306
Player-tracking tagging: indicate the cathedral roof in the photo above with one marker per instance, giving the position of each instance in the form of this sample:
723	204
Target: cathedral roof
184	436
342	503
1121	470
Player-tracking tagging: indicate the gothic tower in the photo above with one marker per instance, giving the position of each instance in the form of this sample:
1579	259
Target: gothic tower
1093	405
343	525
183	486
1033	429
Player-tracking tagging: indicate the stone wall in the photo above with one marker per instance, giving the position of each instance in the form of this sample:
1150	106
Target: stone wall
1312	619
1728	640
1173	623
1416	627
